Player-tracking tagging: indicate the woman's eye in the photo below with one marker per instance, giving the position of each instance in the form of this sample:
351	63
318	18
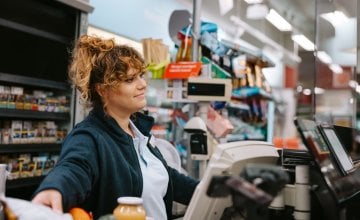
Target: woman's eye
130	80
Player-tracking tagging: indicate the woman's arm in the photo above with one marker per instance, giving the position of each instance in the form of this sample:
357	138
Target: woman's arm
74	174
184	186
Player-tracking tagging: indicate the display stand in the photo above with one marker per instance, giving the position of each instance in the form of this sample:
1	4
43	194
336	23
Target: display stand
196	30
40	33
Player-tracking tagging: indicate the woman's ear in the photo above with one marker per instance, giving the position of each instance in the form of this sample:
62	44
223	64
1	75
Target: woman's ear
100	90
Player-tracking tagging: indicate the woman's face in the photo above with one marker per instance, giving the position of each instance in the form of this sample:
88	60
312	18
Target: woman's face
129	96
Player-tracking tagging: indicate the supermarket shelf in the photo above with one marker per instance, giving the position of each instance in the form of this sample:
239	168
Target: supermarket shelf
32	31
30	81
251	55
29	114
248	92
23	182
33	148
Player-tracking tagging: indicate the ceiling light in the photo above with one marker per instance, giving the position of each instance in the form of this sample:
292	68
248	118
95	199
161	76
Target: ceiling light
324	57
225	6
262	37
253	1
279	22
336	68
319	90
307	91
299	88
257	11
353	83
304	42
335	18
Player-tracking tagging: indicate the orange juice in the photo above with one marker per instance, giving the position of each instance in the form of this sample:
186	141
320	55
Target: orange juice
129	208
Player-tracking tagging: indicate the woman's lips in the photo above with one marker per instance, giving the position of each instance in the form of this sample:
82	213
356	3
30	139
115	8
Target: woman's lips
142	95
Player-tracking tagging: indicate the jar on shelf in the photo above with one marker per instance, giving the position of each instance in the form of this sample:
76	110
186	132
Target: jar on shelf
129	208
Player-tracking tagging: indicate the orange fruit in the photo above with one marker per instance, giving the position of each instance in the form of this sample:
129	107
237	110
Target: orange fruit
80	214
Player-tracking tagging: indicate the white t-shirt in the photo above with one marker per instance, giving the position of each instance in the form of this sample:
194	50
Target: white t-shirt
155	177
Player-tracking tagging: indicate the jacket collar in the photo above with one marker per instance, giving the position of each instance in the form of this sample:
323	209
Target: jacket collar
143	122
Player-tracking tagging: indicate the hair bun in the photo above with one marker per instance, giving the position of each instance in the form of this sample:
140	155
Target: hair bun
96	44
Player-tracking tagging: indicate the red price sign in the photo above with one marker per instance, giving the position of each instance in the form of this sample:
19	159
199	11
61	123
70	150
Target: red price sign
182	70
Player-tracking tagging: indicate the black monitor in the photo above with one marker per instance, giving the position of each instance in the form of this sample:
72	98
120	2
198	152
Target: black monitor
347	136
335	165
340	155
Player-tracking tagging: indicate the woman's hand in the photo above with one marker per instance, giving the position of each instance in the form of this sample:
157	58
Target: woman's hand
51	198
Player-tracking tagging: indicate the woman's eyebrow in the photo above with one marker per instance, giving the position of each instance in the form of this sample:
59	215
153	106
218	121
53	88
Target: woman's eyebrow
134	74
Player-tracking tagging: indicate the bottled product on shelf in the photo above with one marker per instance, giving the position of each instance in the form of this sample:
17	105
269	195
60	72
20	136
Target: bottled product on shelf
36	100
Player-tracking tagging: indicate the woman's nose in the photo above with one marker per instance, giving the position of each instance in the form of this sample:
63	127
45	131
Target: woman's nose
142	82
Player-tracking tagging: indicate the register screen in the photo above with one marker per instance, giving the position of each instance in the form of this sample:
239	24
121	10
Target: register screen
206	89
339	151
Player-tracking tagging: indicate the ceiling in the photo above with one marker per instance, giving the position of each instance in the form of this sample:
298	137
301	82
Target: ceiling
300	13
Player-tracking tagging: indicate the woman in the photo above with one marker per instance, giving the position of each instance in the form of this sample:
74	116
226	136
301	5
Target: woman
110	154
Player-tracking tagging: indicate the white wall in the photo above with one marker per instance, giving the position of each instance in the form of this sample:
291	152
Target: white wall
118	39
335	102
344	39
135	19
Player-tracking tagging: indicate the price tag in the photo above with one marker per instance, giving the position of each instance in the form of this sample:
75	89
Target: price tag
182	70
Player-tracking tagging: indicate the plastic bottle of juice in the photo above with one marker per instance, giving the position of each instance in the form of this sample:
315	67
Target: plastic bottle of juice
129	208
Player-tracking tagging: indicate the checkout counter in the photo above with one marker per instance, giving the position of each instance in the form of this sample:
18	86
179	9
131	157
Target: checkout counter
324	182
253	180
335	177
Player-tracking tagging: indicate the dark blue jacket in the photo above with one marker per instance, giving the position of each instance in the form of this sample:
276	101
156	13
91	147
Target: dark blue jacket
98	163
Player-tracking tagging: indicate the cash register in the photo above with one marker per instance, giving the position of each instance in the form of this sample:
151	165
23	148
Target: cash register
336	180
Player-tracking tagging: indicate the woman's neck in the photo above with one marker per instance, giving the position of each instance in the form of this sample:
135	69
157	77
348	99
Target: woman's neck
123	121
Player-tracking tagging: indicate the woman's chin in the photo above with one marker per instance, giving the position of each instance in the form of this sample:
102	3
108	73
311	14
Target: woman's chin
143	105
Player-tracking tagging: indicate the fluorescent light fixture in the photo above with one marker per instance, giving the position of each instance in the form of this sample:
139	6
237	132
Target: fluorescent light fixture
353	84
253	1
304	42
336	68
279	22
319	90
225	6
257	11
299	88
324	57
307	91
335	18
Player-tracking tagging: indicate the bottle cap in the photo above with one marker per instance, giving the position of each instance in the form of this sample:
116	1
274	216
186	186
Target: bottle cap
130	200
